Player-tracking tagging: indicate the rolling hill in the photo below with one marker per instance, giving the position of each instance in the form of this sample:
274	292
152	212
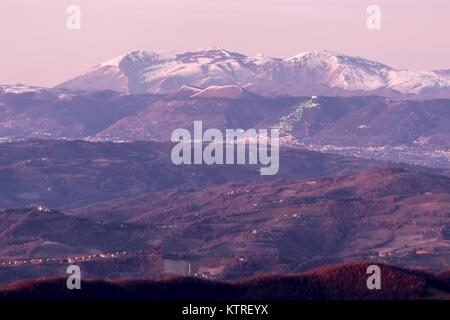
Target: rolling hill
58	173
387	213
340	282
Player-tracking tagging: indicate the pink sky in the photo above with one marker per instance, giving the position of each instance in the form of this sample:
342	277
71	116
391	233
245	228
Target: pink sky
38	49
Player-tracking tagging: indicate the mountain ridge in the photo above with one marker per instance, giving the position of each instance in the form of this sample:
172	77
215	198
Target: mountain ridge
348	283
149	72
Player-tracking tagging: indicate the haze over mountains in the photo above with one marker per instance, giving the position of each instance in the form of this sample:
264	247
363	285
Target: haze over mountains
146	95
85	168
413	131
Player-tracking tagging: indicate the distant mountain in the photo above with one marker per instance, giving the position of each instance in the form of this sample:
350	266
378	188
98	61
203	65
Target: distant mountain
142	71
106	76
334	70
310	72
327	69
42	113
22	88
376	122
217	107
351	121
225	92
338	122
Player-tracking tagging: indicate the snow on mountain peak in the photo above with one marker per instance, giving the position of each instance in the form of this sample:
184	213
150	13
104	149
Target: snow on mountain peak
330	69
227	92
165	72
332	57
114	62
157	73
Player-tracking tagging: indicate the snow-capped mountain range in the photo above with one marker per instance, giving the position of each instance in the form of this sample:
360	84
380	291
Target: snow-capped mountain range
149	72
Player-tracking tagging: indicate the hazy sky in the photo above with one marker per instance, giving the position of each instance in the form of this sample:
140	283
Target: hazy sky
37	48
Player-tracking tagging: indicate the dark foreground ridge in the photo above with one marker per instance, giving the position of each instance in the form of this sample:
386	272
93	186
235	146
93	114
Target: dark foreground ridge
342	282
